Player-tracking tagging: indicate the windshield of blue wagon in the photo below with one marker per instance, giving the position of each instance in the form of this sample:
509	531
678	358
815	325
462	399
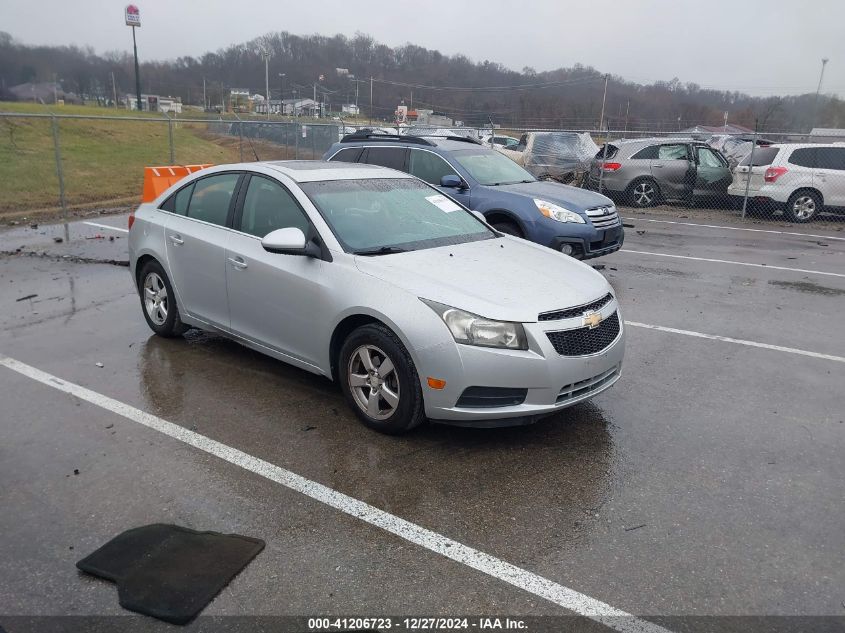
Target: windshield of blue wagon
374	214
489	167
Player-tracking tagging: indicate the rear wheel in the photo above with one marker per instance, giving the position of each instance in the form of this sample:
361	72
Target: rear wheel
158	301
379	380
507	227
803	206
643	193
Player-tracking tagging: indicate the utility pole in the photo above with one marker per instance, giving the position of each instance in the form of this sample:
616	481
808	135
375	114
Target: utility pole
627	109
204	102
281	93
604	99
267	80
818	90
371	100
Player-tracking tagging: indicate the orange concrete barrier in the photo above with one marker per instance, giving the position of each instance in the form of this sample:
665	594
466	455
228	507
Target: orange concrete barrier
158	179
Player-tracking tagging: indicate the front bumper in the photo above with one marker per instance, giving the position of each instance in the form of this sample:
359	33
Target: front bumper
553	381
592	242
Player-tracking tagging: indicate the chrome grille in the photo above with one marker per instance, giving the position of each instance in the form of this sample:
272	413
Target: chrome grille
584	387
568	313
603	217
584	340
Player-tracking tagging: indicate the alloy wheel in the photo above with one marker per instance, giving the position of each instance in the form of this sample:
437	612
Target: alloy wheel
804	207
373	382
644	194
155	298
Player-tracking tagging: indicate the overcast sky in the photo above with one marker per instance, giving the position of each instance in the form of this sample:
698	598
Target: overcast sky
761	47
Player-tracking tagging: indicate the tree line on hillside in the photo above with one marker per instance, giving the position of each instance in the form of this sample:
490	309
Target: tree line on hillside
473	92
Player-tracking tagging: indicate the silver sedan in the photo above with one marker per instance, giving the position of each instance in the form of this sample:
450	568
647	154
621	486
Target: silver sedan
415	306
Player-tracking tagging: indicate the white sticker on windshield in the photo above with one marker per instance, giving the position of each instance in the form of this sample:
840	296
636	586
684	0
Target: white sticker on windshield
443	203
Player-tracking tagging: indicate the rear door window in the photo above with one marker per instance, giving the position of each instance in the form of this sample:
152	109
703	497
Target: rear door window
348	155
804	157
831	158
392	157
646	153
428	166
212	197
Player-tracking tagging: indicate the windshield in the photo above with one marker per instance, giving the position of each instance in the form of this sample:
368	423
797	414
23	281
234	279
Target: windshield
489	167
382	215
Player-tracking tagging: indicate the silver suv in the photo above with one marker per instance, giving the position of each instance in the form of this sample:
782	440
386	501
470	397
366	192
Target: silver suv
645	172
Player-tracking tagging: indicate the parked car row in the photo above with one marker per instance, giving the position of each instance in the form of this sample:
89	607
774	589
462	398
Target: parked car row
385	283
571	220
802	180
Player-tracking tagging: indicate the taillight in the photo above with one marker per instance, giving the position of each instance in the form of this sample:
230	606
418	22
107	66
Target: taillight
611	166
773	173
131	219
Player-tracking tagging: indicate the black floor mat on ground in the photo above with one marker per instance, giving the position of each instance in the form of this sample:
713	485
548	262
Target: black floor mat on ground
170	572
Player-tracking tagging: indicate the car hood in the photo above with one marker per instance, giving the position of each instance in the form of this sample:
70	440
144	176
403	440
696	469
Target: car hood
507	279
572	198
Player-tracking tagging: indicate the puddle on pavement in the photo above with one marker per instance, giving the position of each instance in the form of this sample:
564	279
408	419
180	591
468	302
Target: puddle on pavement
808	286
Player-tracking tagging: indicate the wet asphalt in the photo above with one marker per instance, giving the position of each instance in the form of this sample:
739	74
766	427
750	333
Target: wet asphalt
709	481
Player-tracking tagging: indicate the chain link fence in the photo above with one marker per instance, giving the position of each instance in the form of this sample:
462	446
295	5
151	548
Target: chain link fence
65	161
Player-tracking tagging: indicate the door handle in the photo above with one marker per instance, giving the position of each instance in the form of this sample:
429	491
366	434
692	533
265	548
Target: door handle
657	165
177	240
238	262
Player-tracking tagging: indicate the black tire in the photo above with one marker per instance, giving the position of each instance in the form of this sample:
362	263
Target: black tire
803	206
507	227
171	324
643	193
402	381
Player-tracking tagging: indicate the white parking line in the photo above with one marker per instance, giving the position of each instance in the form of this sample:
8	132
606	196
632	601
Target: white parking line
727	261
736	228
537	585
738	341
106	226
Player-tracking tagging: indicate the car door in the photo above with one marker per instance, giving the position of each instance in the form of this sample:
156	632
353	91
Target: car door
196	246
712	175
431	167
829	175
274	299
673	171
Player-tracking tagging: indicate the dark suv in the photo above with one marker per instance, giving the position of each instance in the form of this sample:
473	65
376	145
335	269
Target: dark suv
574	221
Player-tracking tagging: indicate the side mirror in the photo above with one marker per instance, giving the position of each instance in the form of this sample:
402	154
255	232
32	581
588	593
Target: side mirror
289	241
452	181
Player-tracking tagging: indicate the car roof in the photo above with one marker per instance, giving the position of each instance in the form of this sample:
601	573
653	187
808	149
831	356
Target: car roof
317	170
424	141
657	139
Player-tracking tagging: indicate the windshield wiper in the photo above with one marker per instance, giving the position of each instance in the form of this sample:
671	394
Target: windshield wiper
382	250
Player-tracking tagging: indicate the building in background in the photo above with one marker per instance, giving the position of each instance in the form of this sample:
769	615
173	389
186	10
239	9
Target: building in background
433	118
827	135
350	109
154	103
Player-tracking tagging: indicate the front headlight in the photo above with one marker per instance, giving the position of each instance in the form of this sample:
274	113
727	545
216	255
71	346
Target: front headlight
471	329
557	212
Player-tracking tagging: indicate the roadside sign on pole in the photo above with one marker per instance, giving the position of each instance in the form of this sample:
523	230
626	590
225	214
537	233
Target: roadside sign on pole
133	15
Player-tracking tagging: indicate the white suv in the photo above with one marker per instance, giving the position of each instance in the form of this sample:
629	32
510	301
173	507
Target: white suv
800	178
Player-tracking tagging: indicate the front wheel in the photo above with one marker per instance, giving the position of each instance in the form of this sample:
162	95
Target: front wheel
379	380
158	302
803	206
508	228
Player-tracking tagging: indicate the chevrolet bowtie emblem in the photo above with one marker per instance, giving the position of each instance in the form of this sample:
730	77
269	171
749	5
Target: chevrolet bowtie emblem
592	319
